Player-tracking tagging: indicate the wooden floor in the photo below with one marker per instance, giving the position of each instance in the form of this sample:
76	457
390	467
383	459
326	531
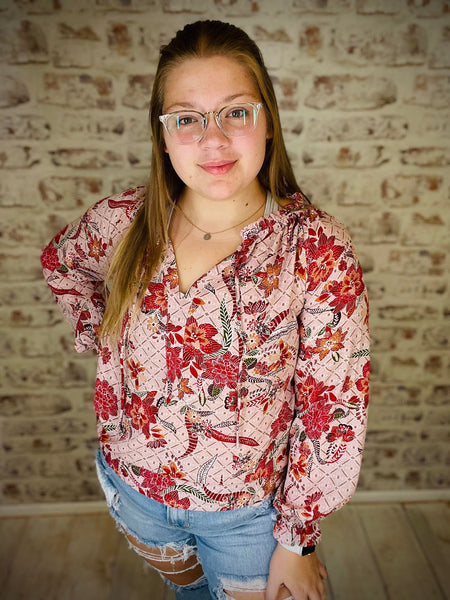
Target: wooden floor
372	552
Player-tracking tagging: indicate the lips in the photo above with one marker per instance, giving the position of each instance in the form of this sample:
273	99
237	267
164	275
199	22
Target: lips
218	167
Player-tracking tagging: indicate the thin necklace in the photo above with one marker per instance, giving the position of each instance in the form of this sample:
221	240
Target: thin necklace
207	234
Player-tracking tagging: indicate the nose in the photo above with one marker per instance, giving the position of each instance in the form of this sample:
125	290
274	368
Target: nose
213	135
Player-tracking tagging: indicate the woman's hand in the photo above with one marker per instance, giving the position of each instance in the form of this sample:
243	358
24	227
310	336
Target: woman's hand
302	575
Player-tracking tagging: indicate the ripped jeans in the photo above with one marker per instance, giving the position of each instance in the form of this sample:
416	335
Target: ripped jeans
234	547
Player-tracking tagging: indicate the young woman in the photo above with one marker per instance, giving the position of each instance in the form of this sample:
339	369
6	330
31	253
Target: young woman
230	321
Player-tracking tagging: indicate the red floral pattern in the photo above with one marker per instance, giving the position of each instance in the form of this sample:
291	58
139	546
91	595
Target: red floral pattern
253	384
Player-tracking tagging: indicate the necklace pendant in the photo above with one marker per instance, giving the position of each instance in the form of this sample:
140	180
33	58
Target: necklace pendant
207	236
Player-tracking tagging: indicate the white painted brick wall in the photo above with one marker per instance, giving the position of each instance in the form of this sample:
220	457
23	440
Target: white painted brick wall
364	92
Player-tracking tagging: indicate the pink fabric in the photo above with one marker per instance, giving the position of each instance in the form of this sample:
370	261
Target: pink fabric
253	384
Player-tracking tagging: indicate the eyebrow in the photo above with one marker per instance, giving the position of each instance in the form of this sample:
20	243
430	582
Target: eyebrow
183	105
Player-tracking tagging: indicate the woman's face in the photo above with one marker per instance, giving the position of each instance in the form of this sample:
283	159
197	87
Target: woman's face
217	167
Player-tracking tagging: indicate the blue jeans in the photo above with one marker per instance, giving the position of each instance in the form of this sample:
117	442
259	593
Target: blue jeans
234	547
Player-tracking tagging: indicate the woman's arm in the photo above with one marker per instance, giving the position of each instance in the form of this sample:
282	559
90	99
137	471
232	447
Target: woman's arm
331	381
76	262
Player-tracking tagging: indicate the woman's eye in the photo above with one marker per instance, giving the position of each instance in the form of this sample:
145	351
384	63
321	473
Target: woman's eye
184	120
237	113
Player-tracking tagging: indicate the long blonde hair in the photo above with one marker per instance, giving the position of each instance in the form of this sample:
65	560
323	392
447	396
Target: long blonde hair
139	253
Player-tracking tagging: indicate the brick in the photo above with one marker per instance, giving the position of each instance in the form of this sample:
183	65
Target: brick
32	466
311	41
33	344
436	337
376	457
434	125
286	90
432	91
396	394
428	8
395	416
39	316
423	228
426	157
383	228
67	193
322	6
391	436
139	130
425	288
229	8
128	5
139	155
437	478
24	293
15	192
371	7
73	53
81	158
437	417
33	405
440	395
92	127
376	45
439	56
262	34
38	445
12	92
348	92
19	157
26	227
59	489
138	91
357	128
27	43
38	7
78	91
407	312
43	427
390	338
357	190
66	31
410	190
345	157
438	366
39	373
119	38
318	189
29	270
19	127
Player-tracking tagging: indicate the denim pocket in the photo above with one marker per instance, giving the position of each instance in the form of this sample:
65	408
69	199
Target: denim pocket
112	495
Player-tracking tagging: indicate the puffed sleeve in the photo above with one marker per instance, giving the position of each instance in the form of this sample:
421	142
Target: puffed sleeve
76	261
331	384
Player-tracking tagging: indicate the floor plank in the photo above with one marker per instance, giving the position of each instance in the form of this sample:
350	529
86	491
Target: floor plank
372	552
38	562
405	571
352	571
90	552
431	524
131	579
11	532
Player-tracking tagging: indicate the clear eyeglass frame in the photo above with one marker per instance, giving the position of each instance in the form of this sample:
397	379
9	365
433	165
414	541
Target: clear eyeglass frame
169	118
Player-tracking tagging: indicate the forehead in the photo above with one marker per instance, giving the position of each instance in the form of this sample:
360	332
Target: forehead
202	81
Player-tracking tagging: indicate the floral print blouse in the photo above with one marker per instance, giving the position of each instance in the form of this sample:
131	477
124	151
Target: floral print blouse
253	384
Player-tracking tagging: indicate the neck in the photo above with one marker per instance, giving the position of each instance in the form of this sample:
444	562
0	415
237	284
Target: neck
214	214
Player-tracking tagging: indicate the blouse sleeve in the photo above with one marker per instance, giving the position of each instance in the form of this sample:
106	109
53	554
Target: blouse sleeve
331	384
76	261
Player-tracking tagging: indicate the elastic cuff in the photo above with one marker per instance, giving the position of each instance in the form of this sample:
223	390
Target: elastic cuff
300	550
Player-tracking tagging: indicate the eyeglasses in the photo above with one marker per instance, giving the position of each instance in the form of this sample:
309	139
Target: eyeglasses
189	126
